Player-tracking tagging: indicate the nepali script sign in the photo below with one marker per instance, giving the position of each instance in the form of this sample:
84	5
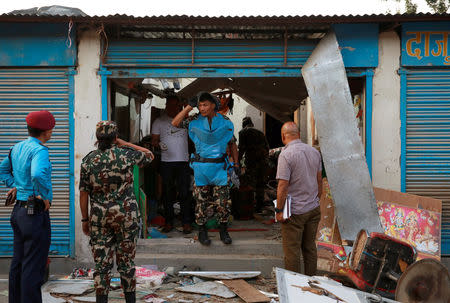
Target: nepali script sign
426	44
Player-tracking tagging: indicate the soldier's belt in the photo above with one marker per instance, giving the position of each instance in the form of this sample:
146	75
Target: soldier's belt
197	158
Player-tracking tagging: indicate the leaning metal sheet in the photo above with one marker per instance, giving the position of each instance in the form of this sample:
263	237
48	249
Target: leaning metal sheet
341	147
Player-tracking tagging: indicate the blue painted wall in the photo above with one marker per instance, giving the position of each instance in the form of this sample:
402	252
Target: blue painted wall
36	44
358	43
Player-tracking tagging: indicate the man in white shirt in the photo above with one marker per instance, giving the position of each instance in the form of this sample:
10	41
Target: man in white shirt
174	169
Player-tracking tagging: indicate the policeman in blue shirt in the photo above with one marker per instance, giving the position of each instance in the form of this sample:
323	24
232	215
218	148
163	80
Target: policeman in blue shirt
27	170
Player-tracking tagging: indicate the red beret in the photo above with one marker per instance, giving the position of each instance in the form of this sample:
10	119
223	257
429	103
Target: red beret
42	120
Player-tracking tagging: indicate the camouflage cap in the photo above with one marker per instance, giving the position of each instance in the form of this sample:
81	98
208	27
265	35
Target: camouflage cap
106	127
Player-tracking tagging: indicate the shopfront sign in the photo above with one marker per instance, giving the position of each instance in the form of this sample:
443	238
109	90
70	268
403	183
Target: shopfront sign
426	44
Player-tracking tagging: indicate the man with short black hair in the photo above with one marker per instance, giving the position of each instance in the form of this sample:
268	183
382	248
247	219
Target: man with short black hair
27	170
299	175
212	134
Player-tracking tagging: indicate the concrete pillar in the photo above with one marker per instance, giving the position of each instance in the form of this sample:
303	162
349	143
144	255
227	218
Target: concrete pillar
87	114
386	141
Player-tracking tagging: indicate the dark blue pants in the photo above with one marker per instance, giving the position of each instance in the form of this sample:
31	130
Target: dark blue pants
175	178
31	244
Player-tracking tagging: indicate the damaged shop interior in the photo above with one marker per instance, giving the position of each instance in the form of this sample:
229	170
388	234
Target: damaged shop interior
136	103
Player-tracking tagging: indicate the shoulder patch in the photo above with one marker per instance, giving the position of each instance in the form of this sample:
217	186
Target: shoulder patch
89	154
225	117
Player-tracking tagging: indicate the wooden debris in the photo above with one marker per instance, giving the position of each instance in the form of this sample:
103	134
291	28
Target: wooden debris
245	291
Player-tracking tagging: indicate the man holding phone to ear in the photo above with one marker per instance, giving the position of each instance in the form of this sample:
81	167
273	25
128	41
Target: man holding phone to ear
27	170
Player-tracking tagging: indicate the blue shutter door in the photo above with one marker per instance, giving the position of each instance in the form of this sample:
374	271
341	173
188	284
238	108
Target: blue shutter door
428	140
22	91
129	53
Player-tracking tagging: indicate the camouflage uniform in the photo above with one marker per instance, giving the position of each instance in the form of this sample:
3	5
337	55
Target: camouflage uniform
108	178
254	150
210	199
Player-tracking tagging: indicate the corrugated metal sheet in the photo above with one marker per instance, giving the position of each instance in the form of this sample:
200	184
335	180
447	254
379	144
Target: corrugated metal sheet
208	53
428	139
228	21
22	91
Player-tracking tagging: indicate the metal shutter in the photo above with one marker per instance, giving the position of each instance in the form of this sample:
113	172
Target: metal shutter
22	91
208	52
428	140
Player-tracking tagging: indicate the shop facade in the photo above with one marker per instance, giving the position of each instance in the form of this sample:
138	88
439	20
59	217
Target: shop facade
399	70
425	115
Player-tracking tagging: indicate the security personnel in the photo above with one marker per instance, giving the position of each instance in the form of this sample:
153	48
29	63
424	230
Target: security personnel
211	133
254	150
27	170
106	178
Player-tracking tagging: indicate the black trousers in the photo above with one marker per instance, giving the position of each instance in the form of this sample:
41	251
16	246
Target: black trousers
176	178
31	244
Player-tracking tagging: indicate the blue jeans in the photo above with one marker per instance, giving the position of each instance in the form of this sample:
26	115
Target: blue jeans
31	244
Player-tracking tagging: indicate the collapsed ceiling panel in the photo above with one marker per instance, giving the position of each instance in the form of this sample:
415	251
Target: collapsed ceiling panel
279	97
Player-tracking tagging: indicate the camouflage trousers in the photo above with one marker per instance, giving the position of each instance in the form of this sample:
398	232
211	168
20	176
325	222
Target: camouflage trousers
212	200
107	240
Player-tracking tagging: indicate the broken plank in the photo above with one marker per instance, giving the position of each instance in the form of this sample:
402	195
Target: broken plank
245	291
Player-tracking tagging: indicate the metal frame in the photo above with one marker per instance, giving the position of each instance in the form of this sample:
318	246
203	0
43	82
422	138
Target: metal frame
71	73
368	73
218	72
104	73
403	74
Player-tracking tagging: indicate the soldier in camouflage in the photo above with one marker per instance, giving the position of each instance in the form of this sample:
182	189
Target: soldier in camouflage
106	181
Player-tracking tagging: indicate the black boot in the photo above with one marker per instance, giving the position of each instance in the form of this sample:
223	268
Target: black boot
203	235
224	236
101	299
130	297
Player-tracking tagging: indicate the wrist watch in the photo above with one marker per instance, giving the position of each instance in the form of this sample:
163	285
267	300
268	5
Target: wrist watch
278	210
85	220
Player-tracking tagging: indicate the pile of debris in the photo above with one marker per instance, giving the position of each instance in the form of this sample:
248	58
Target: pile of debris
167	286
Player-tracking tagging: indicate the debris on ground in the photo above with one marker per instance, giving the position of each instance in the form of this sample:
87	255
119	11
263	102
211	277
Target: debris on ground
82	272
208	288
295	287
221	275
149	277
245	291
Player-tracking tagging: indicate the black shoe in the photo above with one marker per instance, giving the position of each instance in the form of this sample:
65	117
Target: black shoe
130	297
101	299
187	228
224	236
203	235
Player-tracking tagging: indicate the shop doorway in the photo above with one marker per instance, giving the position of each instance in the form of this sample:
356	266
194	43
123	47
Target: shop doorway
135	103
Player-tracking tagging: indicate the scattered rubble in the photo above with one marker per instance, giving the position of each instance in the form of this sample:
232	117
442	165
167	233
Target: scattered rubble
208	288
221	275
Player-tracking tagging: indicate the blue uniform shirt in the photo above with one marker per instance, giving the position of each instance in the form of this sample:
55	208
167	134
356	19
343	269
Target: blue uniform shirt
32	170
